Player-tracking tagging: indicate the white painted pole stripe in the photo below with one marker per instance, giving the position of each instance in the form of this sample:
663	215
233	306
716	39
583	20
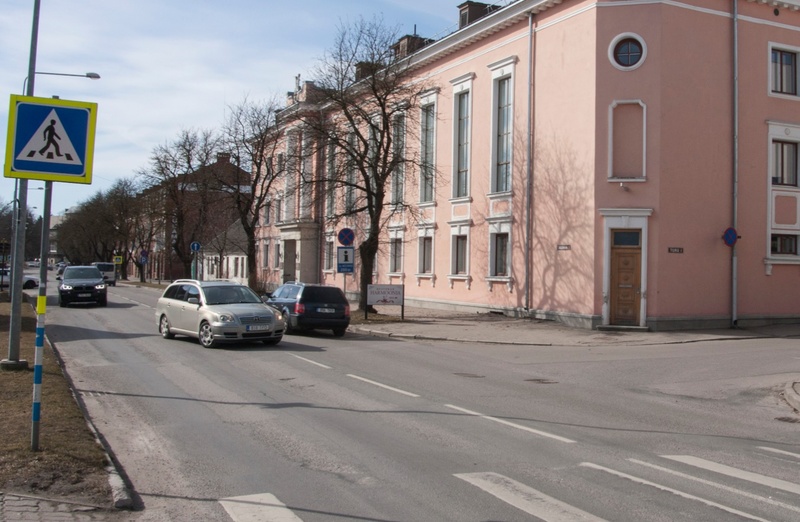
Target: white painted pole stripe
310	361
382	385
780	452
527	499
729	489
736	473
263	507
673	491
513	425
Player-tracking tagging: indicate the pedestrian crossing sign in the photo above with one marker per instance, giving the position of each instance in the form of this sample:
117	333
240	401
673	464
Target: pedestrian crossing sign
50	139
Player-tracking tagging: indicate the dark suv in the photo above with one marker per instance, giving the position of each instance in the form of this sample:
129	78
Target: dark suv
82	284
307	306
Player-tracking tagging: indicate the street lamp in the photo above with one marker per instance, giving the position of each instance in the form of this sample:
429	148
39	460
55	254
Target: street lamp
90	75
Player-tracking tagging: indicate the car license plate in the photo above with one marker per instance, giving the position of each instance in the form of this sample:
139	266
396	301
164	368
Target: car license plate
84	295
257	327
326	310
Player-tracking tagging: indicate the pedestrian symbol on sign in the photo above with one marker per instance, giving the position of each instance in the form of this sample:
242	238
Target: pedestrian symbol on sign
42	146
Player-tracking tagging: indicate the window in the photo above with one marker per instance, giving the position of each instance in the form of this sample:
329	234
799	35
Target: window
350	191
426	255
460	187
500	254
277	256
266	212
784	244
396	255
329	255
459	255
628	52
398	151
265	263
502	179
784	72
427	152
278	210
330	188
784	169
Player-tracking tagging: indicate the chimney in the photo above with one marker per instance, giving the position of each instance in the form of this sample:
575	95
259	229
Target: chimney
469	12
223	157
366	69
409	44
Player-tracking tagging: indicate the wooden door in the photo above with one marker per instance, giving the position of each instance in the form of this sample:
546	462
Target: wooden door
626	272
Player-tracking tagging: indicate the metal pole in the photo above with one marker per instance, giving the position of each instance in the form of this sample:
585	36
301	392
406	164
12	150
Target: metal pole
41	311
15	325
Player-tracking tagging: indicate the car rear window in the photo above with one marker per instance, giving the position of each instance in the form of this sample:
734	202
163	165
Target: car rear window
323	294
105	267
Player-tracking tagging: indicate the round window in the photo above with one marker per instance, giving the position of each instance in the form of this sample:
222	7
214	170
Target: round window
627	51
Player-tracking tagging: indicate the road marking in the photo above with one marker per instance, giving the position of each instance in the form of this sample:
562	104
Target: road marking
513	425
673	491
382	385
719	486
310	361
527	499
258	508
780	452
736	473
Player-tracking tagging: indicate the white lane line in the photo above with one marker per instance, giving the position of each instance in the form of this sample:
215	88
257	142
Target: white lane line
780	452
397	390
310	361
527	499
513	425
673	491
258	508
729	489
736	473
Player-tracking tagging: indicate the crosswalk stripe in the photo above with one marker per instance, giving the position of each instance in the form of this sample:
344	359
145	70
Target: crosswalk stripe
263	507
527	499
673	491
780	452
736	473
729	489
513	425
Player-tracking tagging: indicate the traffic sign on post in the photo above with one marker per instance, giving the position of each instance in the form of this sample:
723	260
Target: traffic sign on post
346	259
50	139
195	246
347	236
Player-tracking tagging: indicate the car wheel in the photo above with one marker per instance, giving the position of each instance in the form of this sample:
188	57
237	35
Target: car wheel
272	341
288	322
339	332
103	301
61	302
206	336
28	285
163	328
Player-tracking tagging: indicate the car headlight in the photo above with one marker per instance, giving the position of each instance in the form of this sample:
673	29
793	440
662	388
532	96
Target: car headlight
65	287
100	286
226	318
278	316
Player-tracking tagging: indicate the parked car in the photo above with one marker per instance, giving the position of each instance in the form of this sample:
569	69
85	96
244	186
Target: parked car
109	271
214	312
309	306
28	281
82	284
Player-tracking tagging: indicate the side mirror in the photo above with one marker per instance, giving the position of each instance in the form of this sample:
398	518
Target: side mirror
193	300
58	278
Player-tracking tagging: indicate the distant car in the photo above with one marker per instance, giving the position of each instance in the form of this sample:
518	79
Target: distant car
309	306
216	312
109	271
82	284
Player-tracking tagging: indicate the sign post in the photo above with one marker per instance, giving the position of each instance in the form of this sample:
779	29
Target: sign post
387	295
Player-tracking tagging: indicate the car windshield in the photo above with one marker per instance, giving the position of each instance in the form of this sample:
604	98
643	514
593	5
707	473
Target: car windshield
82	273
216	295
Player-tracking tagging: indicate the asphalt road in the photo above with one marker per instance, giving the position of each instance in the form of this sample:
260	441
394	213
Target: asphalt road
363	428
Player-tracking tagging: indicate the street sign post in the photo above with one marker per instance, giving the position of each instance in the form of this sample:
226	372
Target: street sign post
345	257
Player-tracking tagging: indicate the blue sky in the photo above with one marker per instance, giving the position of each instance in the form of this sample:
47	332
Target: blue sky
167	65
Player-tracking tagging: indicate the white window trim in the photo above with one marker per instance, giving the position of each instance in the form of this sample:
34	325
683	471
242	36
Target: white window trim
501	70
462	85
428	99
460	228
613	45
783	47
786	132
424	231
614	105
500	226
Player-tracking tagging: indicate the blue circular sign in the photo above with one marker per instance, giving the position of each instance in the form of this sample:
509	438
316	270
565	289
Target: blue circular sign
195	246
347	236
730	236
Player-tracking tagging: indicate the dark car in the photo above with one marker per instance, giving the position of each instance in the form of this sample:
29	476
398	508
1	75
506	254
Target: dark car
308	306
82	284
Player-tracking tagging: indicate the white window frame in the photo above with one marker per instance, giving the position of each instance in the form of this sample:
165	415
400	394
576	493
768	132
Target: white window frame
501	70
399	147
770	85
426	101
462	86
500	226
787	133
330	254
613	45
458	230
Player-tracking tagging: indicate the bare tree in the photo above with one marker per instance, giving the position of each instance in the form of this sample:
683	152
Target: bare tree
369	105
178	170
250	135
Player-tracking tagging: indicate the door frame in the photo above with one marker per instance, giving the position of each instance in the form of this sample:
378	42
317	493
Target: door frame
624	218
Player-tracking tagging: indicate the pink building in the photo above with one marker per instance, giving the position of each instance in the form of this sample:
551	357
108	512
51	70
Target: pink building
621	163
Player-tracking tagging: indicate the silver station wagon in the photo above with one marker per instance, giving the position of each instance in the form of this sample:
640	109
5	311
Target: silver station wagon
216	312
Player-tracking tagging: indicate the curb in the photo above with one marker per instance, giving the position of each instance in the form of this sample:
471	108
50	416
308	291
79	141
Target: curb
792	395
